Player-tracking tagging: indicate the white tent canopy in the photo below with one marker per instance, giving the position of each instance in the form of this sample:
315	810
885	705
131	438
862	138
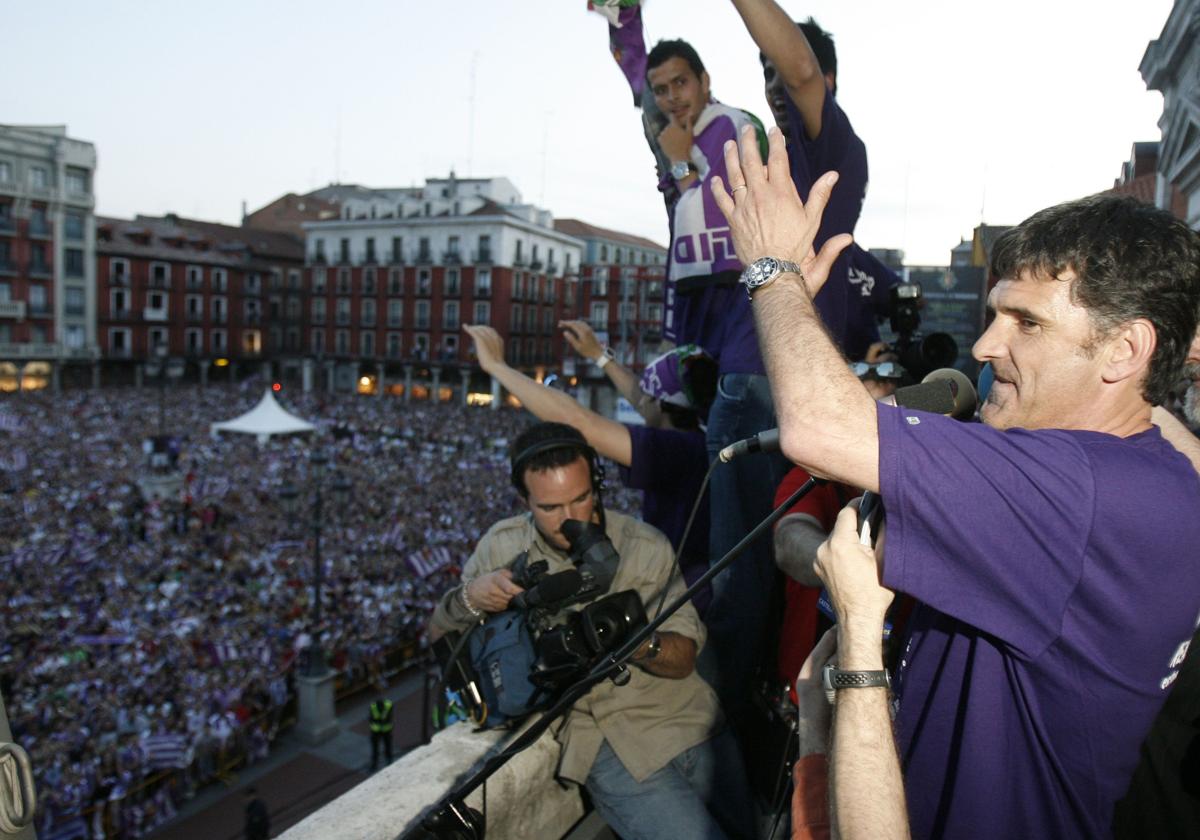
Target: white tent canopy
265	419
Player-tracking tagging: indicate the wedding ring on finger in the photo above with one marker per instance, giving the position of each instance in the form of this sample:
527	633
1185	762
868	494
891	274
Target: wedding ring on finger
735	189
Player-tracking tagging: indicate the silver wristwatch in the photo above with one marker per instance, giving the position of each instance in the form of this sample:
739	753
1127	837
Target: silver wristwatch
680	169
763	272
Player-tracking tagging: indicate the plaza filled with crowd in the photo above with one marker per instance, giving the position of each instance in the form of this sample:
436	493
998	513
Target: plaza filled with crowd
145	640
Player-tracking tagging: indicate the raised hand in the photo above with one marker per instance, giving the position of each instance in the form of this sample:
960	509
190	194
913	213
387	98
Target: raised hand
581	338
489	346
765	213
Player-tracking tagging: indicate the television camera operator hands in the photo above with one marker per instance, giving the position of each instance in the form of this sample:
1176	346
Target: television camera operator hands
493	591
765	214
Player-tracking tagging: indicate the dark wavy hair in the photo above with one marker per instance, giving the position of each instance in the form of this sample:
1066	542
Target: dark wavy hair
1130	260
664	51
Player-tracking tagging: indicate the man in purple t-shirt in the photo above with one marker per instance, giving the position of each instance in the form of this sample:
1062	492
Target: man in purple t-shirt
800	72
1052	549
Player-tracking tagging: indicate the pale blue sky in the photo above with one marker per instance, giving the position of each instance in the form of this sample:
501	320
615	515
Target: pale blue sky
1005	107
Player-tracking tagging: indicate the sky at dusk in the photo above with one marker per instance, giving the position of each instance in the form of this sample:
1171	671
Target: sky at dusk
970	110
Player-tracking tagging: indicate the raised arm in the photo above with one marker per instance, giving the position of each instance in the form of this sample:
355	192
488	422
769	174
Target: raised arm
608	437
827	420
785	46
583	341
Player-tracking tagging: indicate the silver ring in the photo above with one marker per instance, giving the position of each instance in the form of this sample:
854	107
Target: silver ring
742	187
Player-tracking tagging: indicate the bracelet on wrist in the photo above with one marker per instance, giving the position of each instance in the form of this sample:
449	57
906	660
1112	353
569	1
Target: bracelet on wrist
466	601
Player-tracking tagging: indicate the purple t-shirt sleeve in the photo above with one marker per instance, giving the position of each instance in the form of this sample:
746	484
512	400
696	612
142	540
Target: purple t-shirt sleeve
988	527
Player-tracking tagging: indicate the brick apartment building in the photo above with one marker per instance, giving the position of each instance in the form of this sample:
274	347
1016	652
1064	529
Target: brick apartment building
214	295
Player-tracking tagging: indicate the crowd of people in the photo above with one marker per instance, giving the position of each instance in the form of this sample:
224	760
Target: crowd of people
142	636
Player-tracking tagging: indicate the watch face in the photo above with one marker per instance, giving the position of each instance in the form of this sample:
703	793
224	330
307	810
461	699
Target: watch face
761	271
680	169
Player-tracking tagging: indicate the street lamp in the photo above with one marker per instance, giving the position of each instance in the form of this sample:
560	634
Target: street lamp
162	368
292	499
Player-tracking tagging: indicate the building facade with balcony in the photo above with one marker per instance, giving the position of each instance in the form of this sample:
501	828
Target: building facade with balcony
210	293
394	277
47	253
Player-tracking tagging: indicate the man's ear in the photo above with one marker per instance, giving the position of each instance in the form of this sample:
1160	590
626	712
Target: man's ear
1130	351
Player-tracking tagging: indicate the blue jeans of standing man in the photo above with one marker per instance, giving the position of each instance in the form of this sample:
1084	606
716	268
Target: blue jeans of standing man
701	794
741	496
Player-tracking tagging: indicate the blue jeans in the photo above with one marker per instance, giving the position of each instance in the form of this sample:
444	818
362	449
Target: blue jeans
701	794
741	496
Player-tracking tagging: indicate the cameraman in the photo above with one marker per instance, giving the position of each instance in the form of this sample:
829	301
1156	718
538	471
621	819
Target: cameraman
648	752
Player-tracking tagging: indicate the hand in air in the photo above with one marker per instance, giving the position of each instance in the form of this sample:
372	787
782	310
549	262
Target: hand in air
581	338
765	213
489	346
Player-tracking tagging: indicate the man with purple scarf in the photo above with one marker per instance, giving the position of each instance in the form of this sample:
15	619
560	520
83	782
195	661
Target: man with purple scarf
687	128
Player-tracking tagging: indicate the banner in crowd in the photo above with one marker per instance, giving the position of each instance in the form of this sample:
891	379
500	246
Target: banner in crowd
426	561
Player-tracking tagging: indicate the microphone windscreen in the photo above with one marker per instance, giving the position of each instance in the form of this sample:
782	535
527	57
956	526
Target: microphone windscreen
559	586
964	391
935	397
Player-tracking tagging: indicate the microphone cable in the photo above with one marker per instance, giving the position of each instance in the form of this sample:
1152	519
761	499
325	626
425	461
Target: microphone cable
676	568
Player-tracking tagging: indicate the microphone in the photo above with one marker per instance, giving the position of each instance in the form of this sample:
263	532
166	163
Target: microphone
965	398
937	397
549	590
765	441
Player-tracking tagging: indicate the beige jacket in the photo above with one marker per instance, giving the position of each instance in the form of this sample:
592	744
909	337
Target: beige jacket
651	719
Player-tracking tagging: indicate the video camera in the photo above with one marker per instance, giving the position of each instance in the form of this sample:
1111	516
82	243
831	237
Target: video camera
520	659
567	644
919	354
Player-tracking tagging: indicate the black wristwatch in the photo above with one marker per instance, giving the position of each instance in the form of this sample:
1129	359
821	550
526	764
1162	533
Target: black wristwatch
835	678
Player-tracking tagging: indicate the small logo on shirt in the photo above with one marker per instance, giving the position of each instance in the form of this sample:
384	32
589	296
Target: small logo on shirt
913	421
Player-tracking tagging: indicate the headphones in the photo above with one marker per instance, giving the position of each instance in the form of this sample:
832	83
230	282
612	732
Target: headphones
595	468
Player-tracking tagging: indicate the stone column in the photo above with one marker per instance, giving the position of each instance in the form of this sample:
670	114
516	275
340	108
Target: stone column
465	373
329	376
233	371
408	375
95	374
56	377
203	365
497	393
380	379
139	374
315	718
306	375
435	392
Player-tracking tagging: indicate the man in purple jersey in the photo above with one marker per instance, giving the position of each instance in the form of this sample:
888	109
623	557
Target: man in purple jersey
800	73
704	306
1051	548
